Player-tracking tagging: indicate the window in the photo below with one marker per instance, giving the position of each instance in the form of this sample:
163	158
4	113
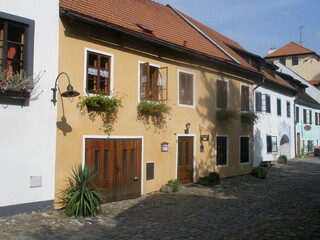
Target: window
316	119
222	150
288	109
268	104
272	145
310	117
186	88
297	115
222	94
278	106
310	146
304	116
245	98
283	61
150	171
244	149
16	44
153	82
295	61
98	72
258	101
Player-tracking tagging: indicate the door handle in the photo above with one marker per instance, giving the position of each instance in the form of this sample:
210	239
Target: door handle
135	178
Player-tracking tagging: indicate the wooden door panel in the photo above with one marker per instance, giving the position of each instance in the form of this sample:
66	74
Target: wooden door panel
185	159
117	164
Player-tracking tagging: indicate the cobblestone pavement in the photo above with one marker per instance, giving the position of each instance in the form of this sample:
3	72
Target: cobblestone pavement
286	206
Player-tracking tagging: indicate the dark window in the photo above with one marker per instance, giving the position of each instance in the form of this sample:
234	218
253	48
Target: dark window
304	116
310	117
222	94
297	114
295	61
105	165
279	106
244	149
245	98
310	146
150	171
222	149
268	104
272	145
98	73
16	45
316	118
96	164
258	100
283	61
186	88
288	109
124	163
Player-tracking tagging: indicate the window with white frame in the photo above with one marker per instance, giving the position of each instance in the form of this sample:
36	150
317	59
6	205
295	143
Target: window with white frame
258	101
153	82
98	72
272	145
222	94
222	150
186	88
244	149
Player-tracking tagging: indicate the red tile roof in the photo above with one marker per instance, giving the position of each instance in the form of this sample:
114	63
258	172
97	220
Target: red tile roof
164	23
290	49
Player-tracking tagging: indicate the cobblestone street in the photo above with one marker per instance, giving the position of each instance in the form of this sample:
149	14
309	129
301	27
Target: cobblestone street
286	206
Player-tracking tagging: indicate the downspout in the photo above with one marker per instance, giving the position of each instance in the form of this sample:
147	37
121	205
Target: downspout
260	83
203	34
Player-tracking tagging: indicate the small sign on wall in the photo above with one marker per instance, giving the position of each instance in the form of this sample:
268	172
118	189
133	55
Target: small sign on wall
35	181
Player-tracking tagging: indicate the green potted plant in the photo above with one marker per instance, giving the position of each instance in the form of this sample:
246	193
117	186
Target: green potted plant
259	172
171	186
248	118
16	85
102	104
226	115
212	179
282	159
81	197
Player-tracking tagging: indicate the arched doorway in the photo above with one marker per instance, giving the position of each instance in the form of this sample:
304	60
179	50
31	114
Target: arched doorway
285	146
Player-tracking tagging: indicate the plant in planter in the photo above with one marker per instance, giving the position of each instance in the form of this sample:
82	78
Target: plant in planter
81	197
226	115
101	104
16	85
212	179
171	186
249	118
282	159
155	111
259	172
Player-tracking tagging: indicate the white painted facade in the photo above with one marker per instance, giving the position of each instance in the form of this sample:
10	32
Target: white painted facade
278	127
28	133
310	90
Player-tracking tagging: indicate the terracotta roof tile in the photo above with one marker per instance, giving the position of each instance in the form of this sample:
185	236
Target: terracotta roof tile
165	24
290	49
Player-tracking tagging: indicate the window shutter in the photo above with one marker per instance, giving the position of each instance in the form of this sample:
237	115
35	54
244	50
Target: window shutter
162	83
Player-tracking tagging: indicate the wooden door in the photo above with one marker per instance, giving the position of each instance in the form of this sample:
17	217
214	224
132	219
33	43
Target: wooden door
117	166
298	144
185	159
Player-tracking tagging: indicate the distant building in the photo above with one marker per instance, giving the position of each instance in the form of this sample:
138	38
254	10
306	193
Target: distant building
304	62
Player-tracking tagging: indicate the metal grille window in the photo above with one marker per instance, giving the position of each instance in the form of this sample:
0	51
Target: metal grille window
288	109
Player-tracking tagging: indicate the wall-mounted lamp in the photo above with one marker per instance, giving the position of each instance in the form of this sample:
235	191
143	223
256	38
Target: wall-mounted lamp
204	138
69	93
164	147
186	131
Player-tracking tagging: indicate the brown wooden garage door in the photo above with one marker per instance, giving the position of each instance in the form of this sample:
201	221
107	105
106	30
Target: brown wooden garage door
117	164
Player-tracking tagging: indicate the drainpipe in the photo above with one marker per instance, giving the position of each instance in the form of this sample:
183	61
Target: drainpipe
260	83
203	34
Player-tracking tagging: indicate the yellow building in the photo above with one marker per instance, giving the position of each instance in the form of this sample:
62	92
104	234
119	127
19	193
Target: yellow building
147	52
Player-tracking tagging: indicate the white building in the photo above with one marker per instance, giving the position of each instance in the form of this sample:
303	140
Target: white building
29	39
274	132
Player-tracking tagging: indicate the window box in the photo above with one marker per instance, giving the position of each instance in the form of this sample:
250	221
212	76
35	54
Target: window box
14	95
226	115
153	108
100	104
248	118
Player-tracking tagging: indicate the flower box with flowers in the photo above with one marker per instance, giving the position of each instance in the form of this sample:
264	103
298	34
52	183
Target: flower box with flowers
153	108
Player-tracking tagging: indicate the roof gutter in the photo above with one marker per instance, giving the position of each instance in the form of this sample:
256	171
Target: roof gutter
203	34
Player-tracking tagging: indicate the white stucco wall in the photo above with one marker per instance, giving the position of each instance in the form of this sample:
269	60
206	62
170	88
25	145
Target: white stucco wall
274	125
28	134
310	90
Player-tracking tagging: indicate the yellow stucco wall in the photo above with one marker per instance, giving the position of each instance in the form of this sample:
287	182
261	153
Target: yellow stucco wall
70	134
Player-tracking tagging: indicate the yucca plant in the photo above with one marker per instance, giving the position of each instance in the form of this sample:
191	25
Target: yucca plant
81	197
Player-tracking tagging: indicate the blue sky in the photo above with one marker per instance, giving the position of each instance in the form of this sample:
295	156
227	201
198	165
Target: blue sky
258	25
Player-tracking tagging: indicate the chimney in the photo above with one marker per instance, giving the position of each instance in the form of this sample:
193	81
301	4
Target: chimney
271	50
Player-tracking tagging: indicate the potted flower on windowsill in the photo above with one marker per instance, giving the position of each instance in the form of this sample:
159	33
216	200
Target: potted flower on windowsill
226	115
16	85
248	118
102	104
